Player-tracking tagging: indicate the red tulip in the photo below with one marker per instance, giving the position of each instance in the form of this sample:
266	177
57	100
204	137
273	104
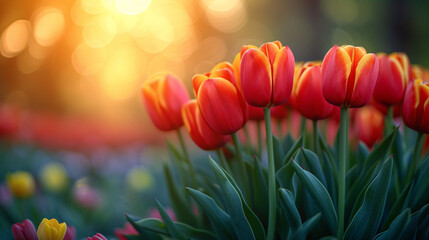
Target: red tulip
198	128
128	229
349	75
97	236
309	97
395	70
279	112
70	233
266	76
24	230
415	108
221	102
369	125
163	97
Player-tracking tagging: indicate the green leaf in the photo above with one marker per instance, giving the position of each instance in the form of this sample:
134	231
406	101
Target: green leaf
255	223
285	175
396	227
307	226
171	228
260	190
233	204
410	230
291	212
174	151
144	234
330	177
320	196
180	206
397	206
381	151
219	219
314	165
365	223
278	152
293	149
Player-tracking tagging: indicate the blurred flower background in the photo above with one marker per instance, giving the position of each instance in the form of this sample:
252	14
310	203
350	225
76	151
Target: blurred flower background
71	72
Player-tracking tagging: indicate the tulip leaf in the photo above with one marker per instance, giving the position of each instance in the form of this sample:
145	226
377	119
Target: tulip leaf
255	223
144	233
313	163
307	226
260	190
178	202
320	196
367	219
330	177
381	151
293	149
289	208
169	224
396	227
278	152
218	218
233	204
411	230
285	176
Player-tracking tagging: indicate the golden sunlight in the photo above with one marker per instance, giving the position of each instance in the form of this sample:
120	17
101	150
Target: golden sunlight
132	7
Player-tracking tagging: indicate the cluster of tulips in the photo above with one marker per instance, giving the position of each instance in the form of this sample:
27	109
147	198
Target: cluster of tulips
266	82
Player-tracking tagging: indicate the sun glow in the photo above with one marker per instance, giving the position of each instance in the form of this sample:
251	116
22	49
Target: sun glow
132	7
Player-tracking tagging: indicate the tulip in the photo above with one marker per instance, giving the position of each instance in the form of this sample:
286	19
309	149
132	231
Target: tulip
415	112
369	124
266	76
51	230
128	229
198	128
349	75
309	97
279	112
163	97
24	230
221	103
97	236
395	70
54	177
21	184
70	233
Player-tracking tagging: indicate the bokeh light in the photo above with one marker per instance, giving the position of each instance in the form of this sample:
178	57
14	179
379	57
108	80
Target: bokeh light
15	38
132	7
49	24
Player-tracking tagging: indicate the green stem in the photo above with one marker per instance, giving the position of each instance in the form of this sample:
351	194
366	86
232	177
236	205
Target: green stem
302	130
222	160
242	166
315	140
249	142
416	157
271	176
388	121
187	159
279	128
344	121
259	140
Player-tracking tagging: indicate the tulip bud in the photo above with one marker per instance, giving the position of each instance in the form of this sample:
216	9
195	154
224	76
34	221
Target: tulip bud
24	230
349	75
309	97
51	230
198	128
21	184
97	236
70	233
221	103
266	76
415	108
393	78
369	125
163	97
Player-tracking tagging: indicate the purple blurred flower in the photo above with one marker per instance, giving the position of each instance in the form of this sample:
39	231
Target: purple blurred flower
5	195
24	230
70	233
97	236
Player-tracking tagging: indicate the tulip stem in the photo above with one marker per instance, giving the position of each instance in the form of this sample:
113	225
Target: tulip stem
249	142
315	140
242	166
271	176
344	121
186	158
416	157
388	121
302	129
258	124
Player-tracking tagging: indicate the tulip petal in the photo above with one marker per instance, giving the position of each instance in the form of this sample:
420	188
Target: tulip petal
220	106
153	107
256	83
225	73
390	86
270	50
197	80
366	78
336	67
283	72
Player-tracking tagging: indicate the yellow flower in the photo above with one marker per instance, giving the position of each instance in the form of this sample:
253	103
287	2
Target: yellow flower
54	177
51	230
139	179
21	184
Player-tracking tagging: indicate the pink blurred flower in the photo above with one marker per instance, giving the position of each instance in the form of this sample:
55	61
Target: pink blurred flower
87	196
5	195
128	229
97	236
24	230
70	233
153	213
